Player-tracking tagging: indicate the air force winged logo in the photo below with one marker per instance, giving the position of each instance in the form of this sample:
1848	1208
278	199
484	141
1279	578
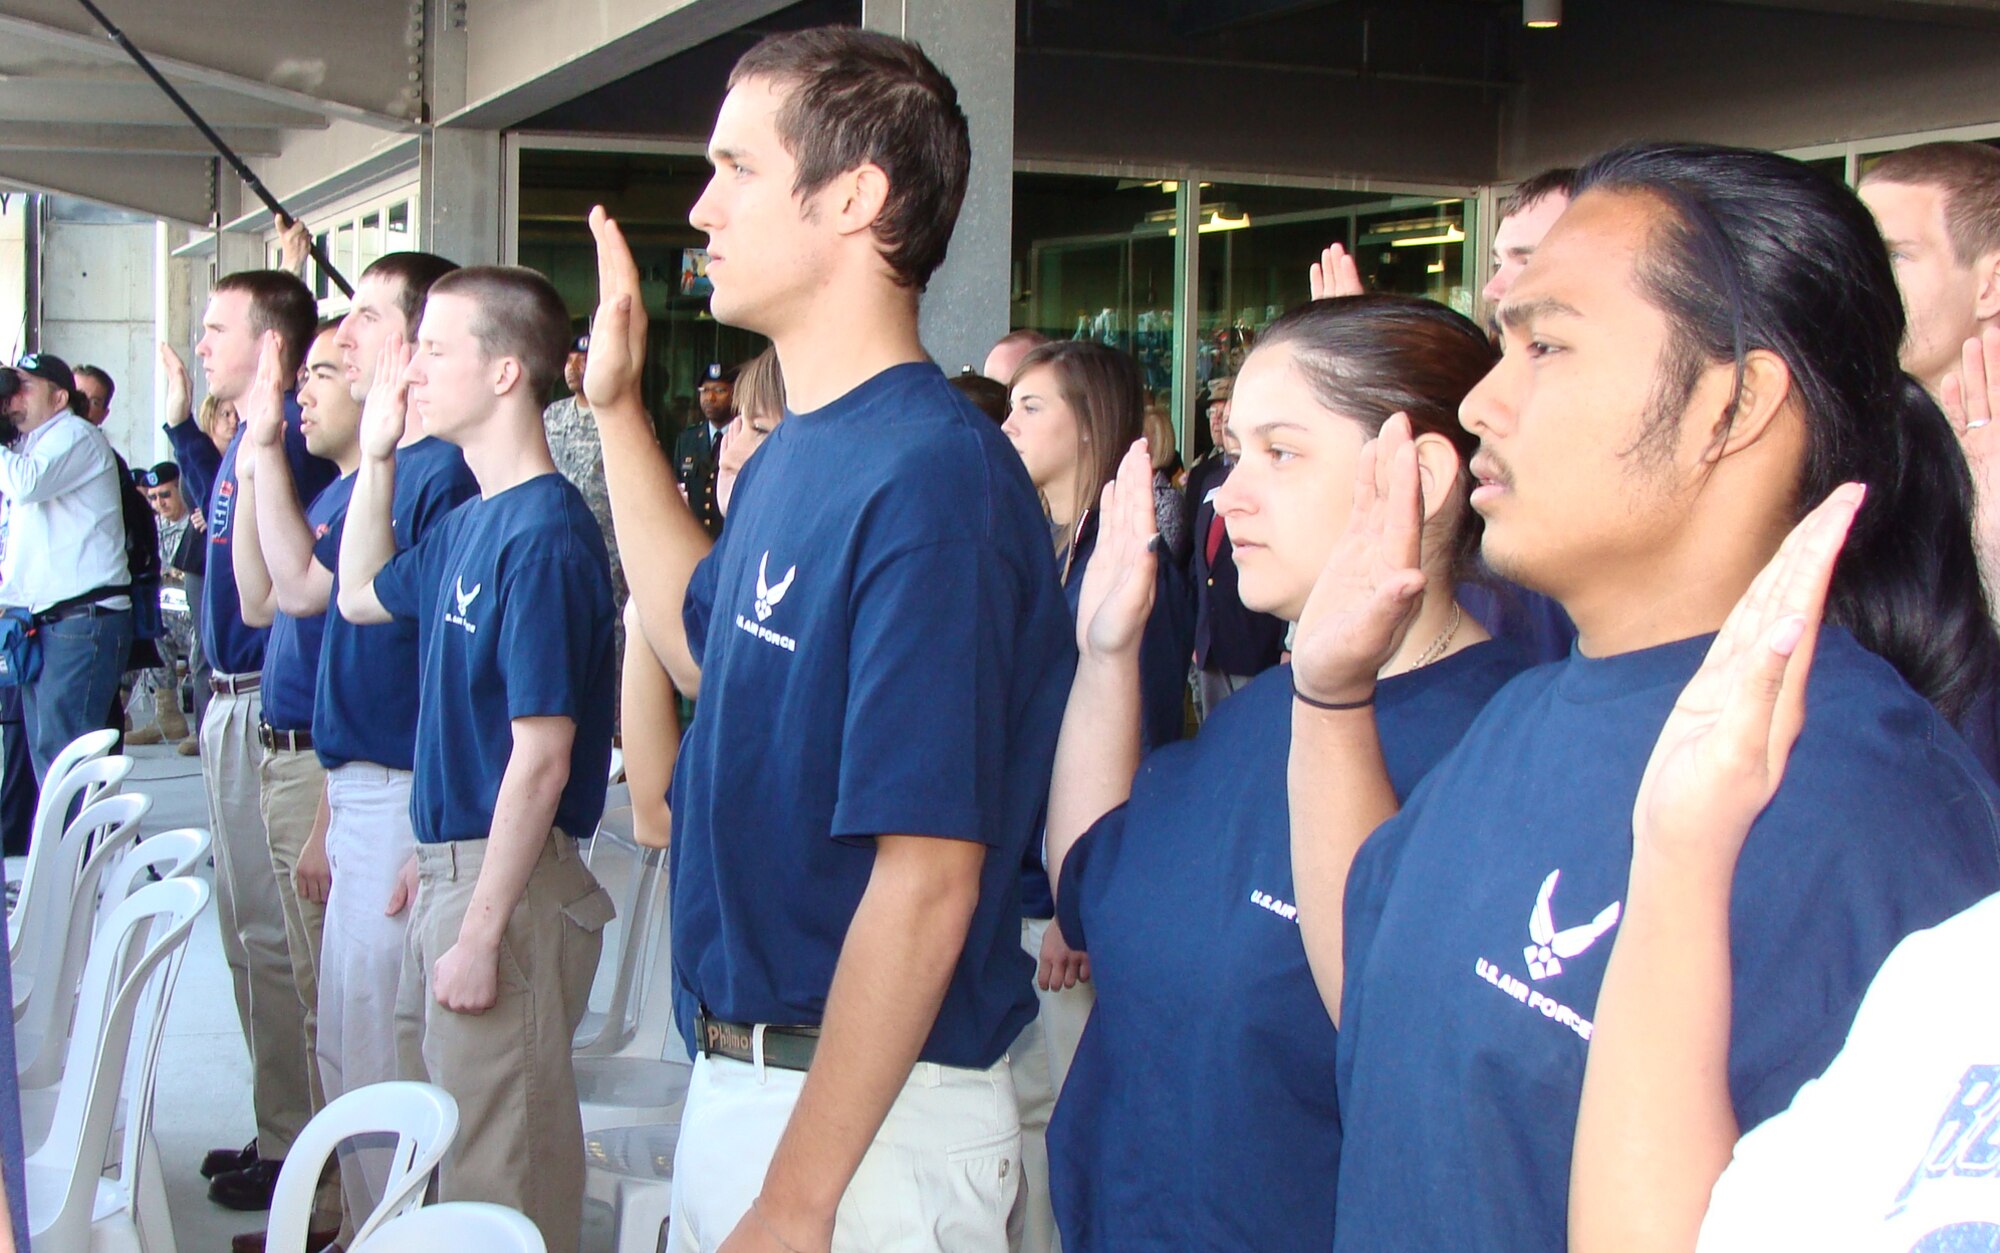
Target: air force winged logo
464	601
1550	945
768	595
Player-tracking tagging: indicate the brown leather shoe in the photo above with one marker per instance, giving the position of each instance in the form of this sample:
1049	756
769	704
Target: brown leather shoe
253	1241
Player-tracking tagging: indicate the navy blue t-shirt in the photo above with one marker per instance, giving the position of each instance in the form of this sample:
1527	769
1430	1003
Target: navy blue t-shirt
1479	920
231	646
512	598
292	649
1200	1112
366	708
1164	650
884	651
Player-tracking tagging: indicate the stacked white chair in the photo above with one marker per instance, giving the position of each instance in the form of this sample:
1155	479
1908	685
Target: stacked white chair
455	1225
171	855
95	838
423	1118
631	1066
41	912
134	958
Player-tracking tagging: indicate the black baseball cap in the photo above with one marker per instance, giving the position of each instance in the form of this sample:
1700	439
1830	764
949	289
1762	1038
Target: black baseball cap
50	368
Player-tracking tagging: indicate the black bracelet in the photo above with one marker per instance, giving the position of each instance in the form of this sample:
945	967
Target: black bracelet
1332	706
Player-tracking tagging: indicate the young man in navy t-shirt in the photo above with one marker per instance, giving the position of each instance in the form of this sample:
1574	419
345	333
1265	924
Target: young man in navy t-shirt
1674	393
360	710
248	906
511	595
881	652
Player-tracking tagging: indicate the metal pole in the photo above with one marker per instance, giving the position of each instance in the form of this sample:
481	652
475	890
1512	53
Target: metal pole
243	171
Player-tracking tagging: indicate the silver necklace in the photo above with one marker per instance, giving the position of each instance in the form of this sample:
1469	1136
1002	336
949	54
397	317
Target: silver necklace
1442	642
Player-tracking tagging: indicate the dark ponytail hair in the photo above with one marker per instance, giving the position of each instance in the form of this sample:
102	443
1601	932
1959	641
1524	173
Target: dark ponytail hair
1762	252
1368	358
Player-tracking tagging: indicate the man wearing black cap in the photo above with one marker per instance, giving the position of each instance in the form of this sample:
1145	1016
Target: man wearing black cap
158	689
696	449
65	558
579	455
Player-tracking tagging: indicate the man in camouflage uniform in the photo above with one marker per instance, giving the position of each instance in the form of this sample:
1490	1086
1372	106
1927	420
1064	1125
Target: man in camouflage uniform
159	688
579	457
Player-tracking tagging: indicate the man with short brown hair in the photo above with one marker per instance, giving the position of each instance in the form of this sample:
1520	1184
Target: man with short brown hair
881	651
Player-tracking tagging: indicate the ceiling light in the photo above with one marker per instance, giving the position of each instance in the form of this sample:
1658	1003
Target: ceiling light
1450	235
1542	14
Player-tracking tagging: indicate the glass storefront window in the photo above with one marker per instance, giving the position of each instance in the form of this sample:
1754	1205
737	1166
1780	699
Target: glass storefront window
1257	244
370	246
650	195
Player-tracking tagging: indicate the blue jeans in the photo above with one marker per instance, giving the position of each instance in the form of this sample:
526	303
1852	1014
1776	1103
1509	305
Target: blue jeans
82	658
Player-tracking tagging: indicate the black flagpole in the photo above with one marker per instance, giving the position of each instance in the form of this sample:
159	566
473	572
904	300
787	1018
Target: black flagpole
243	171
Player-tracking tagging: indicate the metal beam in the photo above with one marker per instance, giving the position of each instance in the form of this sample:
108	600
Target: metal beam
1973	14
107	139
175	188
648	44
182	73
126	102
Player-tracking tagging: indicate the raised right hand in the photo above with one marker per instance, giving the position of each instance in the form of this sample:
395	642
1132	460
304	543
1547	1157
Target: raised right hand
385	414
1117	592
1723	749
1334	274
263	406
1369	592
618	331
180	393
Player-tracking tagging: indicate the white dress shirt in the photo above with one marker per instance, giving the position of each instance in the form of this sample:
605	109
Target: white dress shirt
65	520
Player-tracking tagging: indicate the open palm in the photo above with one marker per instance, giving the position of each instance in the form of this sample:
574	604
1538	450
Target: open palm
1723	749
1372	585
1117	592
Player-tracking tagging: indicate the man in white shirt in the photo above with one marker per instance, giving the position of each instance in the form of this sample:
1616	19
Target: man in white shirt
65	558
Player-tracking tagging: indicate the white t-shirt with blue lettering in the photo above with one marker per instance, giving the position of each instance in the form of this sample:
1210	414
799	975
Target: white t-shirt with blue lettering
1896	1148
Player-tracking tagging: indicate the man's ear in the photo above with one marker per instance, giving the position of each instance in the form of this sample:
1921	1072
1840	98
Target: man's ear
507	375
858	197
1986	303
1765	392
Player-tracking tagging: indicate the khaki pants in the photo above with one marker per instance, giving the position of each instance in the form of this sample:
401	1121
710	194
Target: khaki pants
520	1132
1041	1056
251	914
942	1176
361	953
290	787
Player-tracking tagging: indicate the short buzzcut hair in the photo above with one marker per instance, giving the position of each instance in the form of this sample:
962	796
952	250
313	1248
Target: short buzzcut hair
1969	176
415	273
279	302
103	380
857	97
1560	181
516	313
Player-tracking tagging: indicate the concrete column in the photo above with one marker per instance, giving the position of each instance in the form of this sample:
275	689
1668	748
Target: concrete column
459	174
972	41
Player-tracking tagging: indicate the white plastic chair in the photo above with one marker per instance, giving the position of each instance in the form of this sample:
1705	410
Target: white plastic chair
631	1170
41	1030
52	867
456	1225
174	854
86	747
423	1118
637	881
71	1205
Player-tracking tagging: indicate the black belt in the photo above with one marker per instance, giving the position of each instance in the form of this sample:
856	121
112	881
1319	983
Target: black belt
275	740
787	1048
62	612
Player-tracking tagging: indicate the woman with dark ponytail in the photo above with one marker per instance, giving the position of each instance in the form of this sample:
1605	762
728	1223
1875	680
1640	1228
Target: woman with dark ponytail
1702	350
